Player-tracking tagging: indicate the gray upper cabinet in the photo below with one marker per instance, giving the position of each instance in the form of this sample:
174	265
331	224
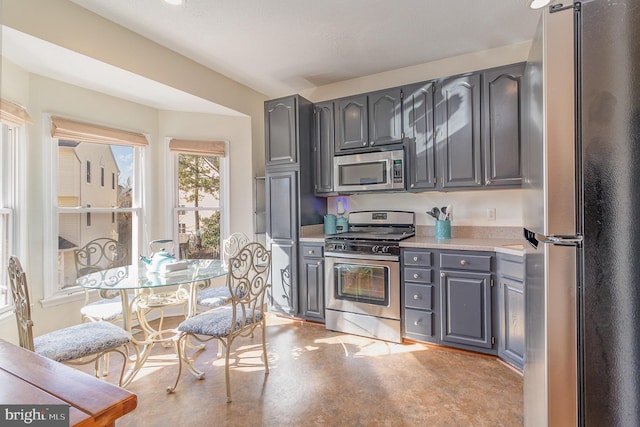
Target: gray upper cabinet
369	120
385	117
281	130
458	131
418	125
323	146
502	125
352	125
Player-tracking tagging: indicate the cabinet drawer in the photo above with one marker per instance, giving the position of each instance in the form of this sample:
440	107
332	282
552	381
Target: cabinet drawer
418	296
462	261
418	258
312	251
423	275
419	322
513	268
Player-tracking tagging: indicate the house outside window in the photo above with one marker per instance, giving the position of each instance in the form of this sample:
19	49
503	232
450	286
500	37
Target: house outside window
108	214
200	172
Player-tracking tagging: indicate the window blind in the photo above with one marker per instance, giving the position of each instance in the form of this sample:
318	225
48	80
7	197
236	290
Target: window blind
13	114
87	132
212	148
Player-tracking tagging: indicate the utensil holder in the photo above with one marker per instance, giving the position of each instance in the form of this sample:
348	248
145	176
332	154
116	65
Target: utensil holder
443	229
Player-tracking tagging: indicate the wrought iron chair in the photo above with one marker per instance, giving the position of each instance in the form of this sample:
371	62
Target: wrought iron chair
75	345
247	285
218	296
97	255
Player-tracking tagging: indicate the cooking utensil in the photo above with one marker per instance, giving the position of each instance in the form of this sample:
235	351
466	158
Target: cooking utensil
449	212
444	213
435	212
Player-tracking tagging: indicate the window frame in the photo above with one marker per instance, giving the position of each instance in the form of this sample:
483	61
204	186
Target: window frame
12	197
172	157
53	293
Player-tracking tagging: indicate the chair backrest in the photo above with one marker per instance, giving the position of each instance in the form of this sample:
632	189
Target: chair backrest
100	254
21	303
232	245
247	281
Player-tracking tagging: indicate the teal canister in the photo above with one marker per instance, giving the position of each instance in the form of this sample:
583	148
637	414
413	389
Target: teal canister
443	229
330	224
342	225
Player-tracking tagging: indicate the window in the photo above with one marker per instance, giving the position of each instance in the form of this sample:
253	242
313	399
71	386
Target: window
7	208
110	214
198	208
12	121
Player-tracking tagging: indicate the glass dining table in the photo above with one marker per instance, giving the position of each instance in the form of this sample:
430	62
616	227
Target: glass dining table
144	292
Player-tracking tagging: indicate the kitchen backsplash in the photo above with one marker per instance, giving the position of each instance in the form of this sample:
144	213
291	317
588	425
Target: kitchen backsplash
473	232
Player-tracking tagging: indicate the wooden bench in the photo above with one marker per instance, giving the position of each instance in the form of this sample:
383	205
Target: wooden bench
30	379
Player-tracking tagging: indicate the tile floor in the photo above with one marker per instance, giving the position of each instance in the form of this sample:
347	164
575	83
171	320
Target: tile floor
324	378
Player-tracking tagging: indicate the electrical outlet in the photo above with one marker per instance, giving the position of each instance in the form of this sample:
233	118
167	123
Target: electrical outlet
491	214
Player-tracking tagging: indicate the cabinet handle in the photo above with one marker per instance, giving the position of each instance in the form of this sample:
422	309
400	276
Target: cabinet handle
416	297
488	182
442	274
417	322
311	252
464	262
319	262
364	143
416	275
415	258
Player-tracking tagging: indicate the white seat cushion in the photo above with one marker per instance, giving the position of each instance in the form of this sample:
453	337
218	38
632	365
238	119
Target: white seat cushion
217	322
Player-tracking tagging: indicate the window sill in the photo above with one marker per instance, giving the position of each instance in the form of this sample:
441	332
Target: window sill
60	299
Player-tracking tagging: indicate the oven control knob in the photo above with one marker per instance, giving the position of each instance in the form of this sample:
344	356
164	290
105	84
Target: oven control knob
375	249
385	249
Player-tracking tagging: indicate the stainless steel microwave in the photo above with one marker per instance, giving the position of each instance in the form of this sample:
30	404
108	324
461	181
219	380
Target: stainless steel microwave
377	171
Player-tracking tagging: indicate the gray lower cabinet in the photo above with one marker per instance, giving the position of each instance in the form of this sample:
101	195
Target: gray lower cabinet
502	119
511	318
323	146
466	295
420	290
311	281
282	230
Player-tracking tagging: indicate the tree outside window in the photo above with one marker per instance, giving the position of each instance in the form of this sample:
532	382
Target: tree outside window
199	201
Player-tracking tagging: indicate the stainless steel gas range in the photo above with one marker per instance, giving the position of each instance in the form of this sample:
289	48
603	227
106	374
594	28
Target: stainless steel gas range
362	274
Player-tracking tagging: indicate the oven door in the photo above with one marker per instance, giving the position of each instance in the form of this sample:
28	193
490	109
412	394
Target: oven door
363	285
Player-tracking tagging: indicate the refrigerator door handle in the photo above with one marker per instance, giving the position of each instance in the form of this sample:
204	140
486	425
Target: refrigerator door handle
536	238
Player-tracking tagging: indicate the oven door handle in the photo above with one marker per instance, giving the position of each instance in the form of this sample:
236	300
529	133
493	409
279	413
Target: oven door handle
361	256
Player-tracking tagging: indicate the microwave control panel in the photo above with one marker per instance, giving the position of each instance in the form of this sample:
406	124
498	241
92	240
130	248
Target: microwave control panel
398	172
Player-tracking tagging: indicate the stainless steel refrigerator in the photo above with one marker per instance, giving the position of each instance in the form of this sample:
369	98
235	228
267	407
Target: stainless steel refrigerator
582	216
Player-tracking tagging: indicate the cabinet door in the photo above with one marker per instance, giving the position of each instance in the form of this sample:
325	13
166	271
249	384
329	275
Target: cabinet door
323	146
511	311
458	133
312	289
280	131
502	120
385	117
418	126
283	295
351	123
281	204
466	308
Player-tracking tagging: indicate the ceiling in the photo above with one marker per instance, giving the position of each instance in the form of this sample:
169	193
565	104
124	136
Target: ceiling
280	47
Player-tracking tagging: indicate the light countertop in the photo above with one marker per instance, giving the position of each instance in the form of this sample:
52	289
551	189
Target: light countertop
506	246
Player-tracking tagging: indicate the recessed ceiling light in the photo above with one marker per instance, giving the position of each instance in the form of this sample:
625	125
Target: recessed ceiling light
174	2
536	4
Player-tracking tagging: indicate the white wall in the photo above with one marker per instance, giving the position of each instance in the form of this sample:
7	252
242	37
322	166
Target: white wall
42	97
